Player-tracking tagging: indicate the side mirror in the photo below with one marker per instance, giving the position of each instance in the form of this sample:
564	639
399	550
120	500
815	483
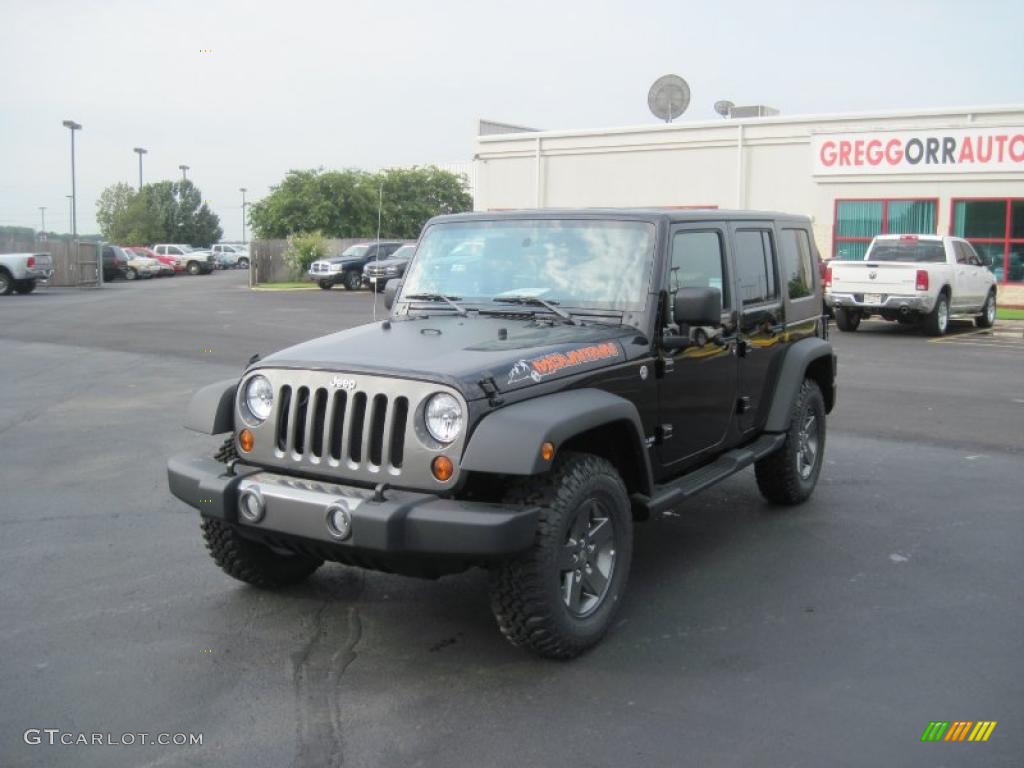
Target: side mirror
698	306
391	289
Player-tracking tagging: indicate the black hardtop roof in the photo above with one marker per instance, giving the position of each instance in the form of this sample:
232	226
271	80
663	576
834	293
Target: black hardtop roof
670	215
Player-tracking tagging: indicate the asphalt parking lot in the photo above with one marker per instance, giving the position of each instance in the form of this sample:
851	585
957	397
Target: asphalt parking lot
830	634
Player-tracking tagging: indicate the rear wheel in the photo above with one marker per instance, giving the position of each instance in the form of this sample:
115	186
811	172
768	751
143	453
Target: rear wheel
24	286
352	279
937	321
559	598
789	475
847	319
6	283
254	563
987	318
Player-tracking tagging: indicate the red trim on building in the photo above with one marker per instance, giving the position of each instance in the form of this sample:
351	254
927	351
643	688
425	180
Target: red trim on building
885	216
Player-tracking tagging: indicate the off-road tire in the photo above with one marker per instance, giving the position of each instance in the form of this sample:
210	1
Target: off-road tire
847	320
325	285
194	268
779	476
987	318
526	592
6	283
251	562
24	286
936	322
352	280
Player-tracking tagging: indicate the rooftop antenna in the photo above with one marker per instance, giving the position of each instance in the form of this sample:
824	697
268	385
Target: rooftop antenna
669	97
724	107
376	255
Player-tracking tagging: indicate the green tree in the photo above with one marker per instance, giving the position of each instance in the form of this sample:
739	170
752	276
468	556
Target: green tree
166	211
343	204
112	210
303	249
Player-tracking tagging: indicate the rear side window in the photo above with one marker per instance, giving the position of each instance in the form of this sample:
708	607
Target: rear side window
797	257
755	266
924	251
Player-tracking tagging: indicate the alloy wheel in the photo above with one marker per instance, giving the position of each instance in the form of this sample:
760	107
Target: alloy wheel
587	560
807	445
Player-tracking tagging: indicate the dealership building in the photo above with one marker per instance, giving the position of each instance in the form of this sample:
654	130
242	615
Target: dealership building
946	171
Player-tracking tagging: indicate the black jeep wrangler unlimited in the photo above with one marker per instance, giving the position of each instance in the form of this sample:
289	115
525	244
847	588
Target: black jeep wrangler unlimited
545	380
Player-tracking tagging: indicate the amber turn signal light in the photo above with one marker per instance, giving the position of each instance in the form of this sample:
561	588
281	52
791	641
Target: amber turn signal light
547	451
246	440
442	468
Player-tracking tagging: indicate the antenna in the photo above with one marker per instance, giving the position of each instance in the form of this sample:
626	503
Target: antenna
723	107
669	97
376	255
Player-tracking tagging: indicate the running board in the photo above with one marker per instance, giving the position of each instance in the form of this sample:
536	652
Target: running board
673	493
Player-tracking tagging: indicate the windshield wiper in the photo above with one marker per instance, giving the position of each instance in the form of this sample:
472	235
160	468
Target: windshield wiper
538	302
436	297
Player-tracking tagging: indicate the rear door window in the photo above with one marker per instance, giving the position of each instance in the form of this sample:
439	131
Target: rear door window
797	260
756	266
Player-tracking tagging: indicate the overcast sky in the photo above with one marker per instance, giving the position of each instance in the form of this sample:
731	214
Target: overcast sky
290	84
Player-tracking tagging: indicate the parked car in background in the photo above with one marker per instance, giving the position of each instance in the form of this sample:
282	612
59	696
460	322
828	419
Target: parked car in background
231	255
377	272
347	269
195	261
19	272
168	264
115	262
922	279
139	266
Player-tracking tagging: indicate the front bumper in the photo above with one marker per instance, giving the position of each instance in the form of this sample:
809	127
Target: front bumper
401	522
887	302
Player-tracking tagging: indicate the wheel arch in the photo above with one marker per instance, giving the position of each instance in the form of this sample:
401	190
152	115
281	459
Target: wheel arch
508	441
809	358
212	409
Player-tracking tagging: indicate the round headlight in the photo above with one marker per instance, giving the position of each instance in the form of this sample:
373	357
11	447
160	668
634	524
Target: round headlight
443	416
259	397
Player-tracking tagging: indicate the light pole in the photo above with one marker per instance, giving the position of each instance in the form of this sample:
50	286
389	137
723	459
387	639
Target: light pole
184	172
69	210
140	152
72	126
42	218
242	190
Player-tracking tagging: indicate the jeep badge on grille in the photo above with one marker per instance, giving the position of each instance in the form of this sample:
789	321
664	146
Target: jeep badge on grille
340	382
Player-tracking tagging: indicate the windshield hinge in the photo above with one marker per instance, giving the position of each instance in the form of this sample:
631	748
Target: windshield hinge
490	388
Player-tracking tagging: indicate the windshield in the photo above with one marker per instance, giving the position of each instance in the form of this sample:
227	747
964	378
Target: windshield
577	263
355	250
931	251
405	252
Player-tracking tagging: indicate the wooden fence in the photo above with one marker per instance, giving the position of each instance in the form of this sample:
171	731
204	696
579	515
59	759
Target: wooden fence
268	265
68	260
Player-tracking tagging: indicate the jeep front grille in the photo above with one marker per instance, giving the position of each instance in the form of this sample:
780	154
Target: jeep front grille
349	427
335	427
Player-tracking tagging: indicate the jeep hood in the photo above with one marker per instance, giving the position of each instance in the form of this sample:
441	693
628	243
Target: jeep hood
462	351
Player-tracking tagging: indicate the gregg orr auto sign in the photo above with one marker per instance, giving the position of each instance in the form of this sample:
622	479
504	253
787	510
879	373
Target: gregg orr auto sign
955	150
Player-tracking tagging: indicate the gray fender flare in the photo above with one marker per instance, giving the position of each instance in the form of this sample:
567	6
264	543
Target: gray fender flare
792	372
508	440
212	409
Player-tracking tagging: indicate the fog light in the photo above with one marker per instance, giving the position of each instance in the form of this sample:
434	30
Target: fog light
547	451
246	440
251	505
442	468
339	522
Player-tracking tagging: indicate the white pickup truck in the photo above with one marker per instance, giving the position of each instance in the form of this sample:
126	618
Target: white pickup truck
922	279
20	271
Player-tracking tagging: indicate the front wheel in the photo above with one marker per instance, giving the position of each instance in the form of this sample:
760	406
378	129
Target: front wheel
243	264
352	280
130	274
789	475
937	321
194	268
987	318
24	286
847	320
254	563
559	598
325	285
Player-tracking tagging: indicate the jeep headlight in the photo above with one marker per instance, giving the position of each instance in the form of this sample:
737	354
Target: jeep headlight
258	398
443	417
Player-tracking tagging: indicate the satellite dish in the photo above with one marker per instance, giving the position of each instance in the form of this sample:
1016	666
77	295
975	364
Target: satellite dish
669	97
722	107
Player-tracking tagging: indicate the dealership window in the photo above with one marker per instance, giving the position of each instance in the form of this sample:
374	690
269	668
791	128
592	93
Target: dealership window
996	230
857	221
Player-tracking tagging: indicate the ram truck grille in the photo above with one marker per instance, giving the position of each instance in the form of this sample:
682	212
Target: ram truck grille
349	427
